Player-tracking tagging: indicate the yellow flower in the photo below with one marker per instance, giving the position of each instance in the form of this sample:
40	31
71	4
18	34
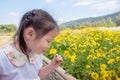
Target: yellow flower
111	73
111	61
89	56
94	43
66	53
103	72
94	75
103	55
58	40
73	58
97	38
87	66
53	51
102	67
98	54
106	77
118	78
92	51
104	47
94	57
118	58
83	51
98	44
68	30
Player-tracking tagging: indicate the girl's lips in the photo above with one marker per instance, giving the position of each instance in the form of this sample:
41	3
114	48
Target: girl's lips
43	51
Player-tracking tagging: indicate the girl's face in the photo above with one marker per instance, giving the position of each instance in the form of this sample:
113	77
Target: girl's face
39	45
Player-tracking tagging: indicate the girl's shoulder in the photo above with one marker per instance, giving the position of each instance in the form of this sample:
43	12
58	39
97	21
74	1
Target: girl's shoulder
10	56
16	58
3	50
3	57
2	53
3	60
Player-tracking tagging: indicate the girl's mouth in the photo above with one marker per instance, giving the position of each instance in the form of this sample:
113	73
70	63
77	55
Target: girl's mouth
43	51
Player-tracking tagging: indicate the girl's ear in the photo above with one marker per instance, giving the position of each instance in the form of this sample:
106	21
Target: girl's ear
29	33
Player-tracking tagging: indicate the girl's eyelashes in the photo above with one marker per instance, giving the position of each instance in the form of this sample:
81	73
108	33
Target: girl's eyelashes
48	41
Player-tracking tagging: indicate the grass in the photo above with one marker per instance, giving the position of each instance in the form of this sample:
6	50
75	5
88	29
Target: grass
5	40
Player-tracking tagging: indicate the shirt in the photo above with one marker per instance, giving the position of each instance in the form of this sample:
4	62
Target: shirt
15	65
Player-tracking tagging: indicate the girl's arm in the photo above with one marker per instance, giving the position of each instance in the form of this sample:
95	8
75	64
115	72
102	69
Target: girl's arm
45	71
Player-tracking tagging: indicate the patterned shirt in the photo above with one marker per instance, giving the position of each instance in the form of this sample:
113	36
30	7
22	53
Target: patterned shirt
14	65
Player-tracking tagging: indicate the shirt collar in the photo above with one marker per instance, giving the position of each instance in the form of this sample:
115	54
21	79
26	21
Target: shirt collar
18	59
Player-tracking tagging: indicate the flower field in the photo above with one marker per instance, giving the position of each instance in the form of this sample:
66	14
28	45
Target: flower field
89	54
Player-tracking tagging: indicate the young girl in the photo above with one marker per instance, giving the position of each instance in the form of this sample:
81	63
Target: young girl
22	60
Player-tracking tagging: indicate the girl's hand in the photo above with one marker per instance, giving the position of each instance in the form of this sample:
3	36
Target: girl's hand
56	61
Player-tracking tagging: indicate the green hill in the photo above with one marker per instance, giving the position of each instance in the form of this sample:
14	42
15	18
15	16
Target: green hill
91	19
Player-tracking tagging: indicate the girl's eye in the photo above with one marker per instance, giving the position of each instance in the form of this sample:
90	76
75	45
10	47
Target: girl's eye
48	41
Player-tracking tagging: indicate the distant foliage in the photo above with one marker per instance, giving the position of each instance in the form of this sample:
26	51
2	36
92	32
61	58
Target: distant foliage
8	28
111	20
102	23
118	20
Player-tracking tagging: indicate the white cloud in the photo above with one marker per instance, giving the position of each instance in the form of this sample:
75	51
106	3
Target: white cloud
99	4
49	1
60	20
84	2
74	18
63	20
108	5
13	14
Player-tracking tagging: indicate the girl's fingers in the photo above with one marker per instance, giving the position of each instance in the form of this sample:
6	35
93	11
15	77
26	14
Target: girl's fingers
58	58
56	55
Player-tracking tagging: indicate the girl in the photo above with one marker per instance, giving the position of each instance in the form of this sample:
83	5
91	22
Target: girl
21	60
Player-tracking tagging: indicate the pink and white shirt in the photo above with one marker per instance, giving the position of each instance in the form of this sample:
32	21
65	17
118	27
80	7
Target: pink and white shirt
15	65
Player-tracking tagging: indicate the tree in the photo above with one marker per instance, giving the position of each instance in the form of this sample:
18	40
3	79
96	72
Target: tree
8	28
87	24
110	23
118	20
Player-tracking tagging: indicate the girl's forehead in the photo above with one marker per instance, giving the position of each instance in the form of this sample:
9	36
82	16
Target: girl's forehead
52	34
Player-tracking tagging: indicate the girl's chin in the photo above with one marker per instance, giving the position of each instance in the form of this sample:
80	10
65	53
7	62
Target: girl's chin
42	52
35	52
39	52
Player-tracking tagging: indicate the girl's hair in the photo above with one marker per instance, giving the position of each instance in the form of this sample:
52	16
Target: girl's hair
40	21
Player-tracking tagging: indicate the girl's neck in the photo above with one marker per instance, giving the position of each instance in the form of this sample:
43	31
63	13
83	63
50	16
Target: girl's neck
17	47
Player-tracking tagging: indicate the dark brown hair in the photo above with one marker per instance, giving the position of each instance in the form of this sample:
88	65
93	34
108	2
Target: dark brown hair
41	22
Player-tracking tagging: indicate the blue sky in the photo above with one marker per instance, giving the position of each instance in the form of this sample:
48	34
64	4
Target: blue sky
62	10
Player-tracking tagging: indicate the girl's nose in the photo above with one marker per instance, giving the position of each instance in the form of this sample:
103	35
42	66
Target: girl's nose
48	46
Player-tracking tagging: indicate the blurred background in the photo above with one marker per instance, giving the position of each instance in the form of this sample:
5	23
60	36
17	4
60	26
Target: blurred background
89	41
